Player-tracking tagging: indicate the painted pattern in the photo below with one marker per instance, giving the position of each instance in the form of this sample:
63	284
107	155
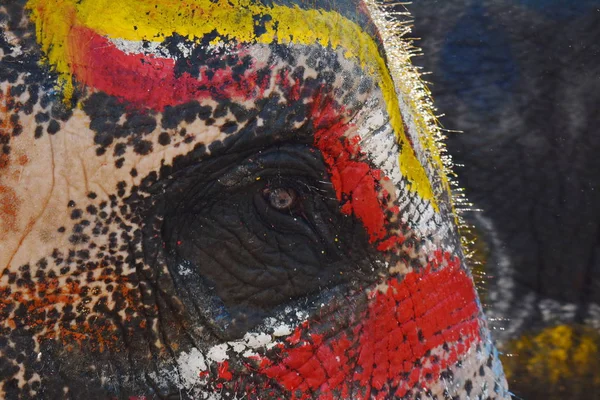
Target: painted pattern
213	199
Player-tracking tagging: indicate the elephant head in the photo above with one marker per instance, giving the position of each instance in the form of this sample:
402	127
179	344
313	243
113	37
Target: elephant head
227	199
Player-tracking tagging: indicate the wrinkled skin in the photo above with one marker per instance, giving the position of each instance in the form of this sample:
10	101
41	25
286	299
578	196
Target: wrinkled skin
225	200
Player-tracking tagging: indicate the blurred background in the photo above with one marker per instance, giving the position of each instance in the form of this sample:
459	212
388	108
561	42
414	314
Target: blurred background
521	80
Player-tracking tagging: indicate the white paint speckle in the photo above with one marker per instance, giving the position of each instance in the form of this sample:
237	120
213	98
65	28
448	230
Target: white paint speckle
257	340
218	353
184	270
282	330
190	365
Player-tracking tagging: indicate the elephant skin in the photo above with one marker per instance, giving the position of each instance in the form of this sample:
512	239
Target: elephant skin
227	199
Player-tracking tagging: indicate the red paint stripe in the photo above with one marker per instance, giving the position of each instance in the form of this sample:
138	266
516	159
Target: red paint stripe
354	180
380	354
223	371
146	80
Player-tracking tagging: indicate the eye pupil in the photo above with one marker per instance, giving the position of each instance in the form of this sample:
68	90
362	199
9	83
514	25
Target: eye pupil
282	198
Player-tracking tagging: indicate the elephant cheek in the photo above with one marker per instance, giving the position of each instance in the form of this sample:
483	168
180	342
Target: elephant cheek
407	333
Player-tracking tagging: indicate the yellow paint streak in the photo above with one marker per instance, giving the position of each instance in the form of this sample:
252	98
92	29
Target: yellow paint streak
51	29
558	362
137	20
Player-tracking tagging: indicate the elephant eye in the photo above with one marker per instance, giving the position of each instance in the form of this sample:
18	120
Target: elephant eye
281	199
246	235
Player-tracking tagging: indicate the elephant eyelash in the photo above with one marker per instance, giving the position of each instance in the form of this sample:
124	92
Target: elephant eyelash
320	191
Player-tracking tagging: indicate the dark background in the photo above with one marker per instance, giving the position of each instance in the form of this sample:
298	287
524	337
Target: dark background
521	79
